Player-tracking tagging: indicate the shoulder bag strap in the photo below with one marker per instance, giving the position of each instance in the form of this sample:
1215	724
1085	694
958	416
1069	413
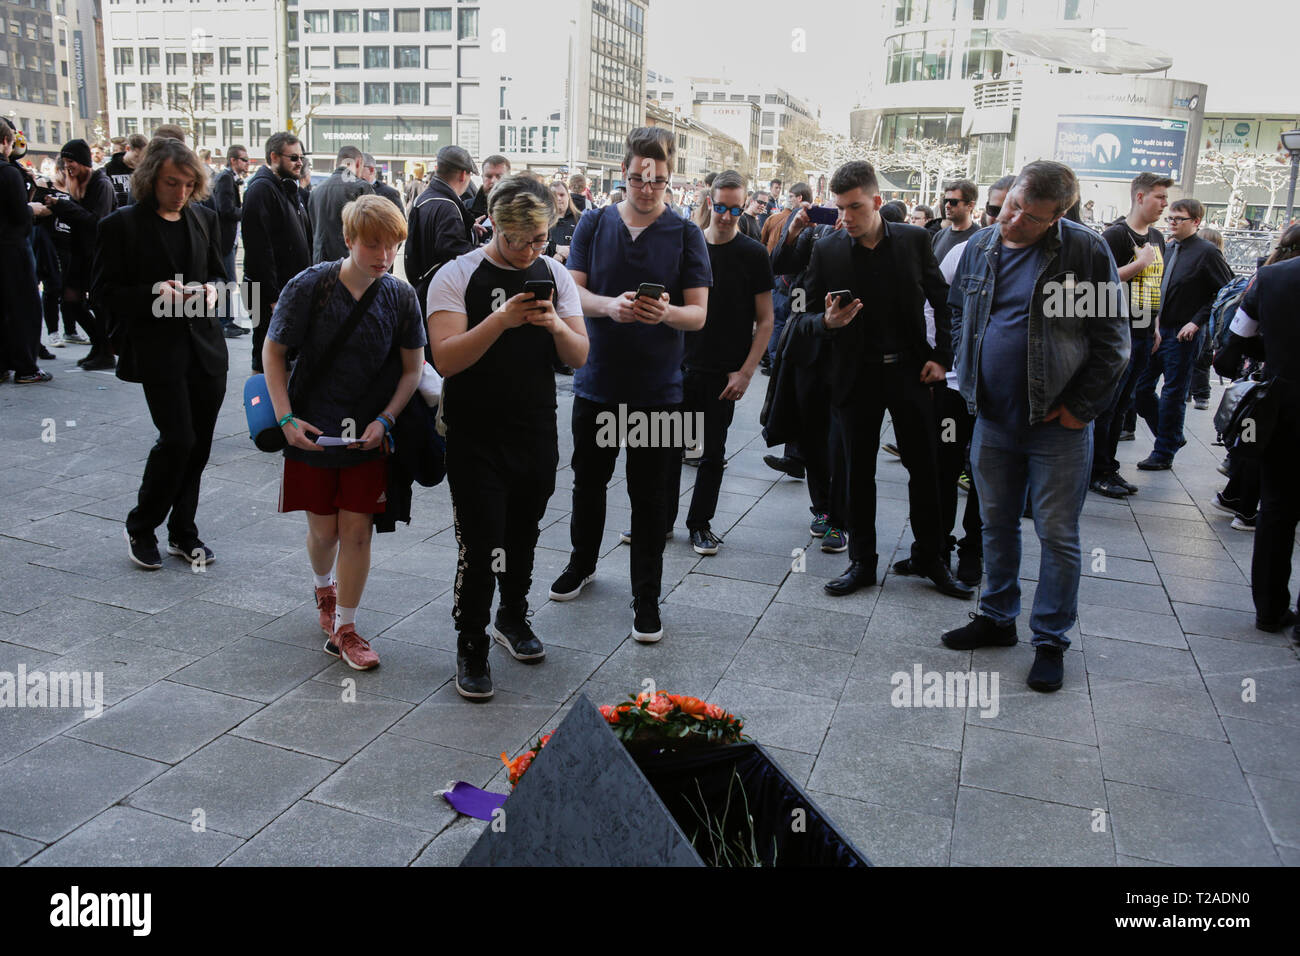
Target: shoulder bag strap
323	290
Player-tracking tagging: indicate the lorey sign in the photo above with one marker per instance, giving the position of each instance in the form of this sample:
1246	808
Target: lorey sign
1120	147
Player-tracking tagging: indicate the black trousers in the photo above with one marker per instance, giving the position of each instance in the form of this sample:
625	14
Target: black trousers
1200	388
1279	512
1110	423
20	307
821	443
898	388
953	426
646	470
77	311
185	414
261	321
700	391
500	481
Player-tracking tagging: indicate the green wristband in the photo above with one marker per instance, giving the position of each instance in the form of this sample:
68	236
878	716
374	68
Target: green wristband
288	417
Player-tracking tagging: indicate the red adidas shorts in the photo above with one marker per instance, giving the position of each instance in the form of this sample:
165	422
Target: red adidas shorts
325	491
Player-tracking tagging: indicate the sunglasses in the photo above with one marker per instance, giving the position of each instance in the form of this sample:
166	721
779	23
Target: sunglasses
291	157
953	202
720	208
992	210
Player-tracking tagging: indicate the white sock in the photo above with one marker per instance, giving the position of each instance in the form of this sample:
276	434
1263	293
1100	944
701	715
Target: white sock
323	580
344	615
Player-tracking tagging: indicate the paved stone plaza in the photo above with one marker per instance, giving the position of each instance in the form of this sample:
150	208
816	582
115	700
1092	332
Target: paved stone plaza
222	708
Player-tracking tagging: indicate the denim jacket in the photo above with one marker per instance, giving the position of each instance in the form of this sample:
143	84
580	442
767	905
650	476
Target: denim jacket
1078	332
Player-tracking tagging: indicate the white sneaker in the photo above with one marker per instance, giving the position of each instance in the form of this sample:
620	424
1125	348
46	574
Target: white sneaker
56	340
76	338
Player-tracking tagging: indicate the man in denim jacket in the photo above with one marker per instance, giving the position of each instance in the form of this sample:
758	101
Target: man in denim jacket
1040	334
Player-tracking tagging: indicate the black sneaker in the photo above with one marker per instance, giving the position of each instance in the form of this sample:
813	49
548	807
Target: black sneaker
646	626
473	675
626	536
511	631
570	584
1048	672
785	465
1243	523
1201	403
45	355
1107	486
704	541
143	552
970	569
982	631
193	551
1154	463
821	523
1128	486
36	378
102	363
1229	506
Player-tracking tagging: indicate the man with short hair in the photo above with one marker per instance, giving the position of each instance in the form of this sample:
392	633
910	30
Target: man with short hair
993	204
634	366
578	192
1034	383
1138	250
276	230
439	226
169	131
1194	272
881	360
120	166
959	199
327	201
494	167
229	205
370	173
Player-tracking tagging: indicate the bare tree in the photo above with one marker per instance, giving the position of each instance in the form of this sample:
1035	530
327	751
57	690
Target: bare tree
193	107
934	163
1237	171
1274	177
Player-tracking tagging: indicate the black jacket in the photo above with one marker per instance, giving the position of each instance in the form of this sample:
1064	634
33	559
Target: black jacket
918	279
391	194
1200	271
277	244
130	260
83	217
15	217
326	205
1270	300
229	206
561	233
119	175
438	230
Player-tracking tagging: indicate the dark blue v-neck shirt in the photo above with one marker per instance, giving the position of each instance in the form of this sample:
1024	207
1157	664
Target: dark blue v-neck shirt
1004	354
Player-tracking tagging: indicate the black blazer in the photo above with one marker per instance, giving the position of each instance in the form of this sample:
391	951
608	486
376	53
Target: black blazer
130	259
229	206
277	235
1200	271
918	279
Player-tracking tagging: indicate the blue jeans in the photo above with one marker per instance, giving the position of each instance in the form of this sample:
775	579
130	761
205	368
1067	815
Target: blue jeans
1052	464
1164	416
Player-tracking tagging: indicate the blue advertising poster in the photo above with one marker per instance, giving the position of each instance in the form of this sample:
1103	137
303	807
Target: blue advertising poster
1120	147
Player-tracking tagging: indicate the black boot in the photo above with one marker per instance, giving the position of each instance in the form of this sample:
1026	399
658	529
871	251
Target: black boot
982	631
970	568
512	632
859	575
473	676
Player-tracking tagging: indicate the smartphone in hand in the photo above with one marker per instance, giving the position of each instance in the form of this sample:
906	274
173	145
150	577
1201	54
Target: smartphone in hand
543	289
823	215
649	290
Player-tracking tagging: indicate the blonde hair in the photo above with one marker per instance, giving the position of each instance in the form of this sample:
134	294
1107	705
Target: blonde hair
373	218
160	150
1212	234
521	204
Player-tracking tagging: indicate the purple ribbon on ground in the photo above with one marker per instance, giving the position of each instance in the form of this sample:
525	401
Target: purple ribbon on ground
471	801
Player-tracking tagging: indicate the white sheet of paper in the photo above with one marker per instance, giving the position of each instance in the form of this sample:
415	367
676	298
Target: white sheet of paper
329	441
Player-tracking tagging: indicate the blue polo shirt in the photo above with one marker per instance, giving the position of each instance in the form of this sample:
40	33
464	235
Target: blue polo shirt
635	363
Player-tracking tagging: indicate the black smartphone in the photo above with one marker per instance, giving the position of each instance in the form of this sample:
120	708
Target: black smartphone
541	288
823	215
649	290
842	298
39	193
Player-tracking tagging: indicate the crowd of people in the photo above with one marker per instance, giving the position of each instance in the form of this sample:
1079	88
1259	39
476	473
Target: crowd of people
1008	343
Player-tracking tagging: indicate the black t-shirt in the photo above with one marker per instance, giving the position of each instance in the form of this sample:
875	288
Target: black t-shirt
741	270
176	239
1143	288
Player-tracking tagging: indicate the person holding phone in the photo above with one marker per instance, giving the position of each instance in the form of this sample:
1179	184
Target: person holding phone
346	320
634	365
871	280
503	314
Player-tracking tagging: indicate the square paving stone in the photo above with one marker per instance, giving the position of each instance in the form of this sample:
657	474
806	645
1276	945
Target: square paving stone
309	834
796	764
256	669
398	778
395	593
505	723
127	666
1124	624
1156	526
742	565
1234	597
431	626
1198	547
1279	802
1168	761
1177	709
1054	770
121	836
779	718
451	846
1123	594
315	718
722	594
1264	749
53	789
1148	663
999	829
556	677
1187	830
200	627
889	837
1063	715
914	626
829	630
1228	624
240	785
406	672
1249	680
14	849
67	623
809	670
694	653
71	529
28	586
868	709
147	591
888	772
1190	566
166	721
424	560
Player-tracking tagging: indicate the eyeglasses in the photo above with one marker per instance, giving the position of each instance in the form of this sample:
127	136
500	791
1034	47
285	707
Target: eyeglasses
1178	220
657	185
720	208
992	210
519	245
1020	211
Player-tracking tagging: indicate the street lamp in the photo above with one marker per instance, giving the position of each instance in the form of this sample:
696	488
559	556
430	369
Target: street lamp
1291	140
72	92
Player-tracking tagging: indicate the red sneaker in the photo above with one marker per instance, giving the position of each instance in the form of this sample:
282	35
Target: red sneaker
355	649
327	599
